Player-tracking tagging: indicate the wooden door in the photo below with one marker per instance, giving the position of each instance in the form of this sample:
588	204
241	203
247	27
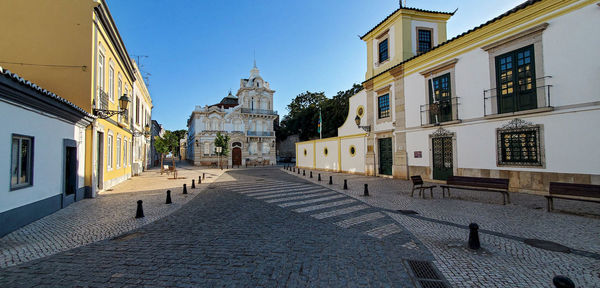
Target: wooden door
236	156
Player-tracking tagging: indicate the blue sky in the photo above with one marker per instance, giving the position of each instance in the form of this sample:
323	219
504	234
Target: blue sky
198	49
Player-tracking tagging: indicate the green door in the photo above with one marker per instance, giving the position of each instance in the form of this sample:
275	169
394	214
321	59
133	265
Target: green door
442	157
515	72
385	156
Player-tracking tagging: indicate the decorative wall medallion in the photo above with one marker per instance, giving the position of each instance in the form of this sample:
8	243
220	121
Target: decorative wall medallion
360	111
304	152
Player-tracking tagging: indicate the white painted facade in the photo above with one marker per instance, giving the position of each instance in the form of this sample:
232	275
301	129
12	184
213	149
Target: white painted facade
48	133
247	118
565	113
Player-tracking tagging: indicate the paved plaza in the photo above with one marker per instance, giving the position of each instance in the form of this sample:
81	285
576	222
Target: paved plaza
505	260
268	227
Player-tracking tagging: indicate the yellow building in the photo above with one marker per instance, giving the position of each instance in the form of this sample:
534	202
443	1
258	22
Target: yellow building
73	48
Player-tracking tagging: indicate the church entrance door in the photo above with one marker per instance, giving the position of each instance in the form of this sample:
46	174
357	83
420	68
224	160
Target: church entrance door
236	156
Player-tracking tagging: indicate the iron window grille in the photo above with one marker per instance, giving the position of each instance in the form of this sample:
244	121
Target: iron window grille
519	144
384	106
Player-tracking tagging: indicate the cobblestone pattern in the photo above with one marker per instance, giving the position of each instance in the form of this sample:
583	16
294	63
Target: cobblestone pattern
505	261
223	238
103	217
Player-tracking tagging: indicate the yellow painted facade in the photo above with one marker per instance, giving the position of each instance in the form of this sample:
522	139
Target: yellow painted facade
73	48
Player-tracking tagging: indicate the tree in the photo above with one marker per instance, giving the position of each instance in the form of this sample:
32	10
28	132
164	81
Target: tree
168	143
223	142
179	134
303	114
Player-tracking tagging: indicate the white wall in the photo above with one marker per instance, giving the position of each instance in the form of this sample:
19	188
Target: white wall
48	154
349	127
570	143
329	161
304	160
356	163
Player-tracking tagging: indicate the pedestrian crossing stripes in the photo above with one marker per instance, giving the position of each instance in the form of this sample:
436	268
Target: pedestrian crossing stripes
320	202
300	197
323	206
383	231
339	212
311	201
285	191
360	219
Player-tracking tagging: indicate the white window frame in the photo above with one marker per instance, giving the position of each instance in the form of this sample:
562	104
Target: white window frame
109	151
111	82
118	149
124	152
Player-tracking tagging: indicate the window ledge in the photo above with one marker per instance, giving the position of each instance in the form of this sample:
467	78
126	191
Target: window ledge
442	123
382	63
19	187
509	114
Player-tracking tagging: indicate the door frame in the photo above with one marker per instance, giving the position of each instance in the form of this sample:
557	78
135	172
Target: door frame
378	167
66	198
442	133
232	153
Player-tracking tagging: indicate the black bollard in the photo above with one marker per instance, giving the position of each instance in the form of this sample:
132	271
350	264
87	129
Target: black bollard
140	210
319	177
193	184
330	180
366	193
298	171
168	197
310	174
345	185
199	180
303	172
561	281
474	236
203	176
294	169
184	189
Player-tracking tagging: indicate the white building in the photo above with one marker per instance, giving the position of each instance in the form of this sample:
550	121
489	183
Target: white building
247	118
512	98
44	146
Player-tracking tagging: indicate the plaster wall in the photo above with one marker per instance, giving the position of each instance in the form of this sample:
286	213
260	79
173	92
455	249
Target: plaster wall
48	154
327	161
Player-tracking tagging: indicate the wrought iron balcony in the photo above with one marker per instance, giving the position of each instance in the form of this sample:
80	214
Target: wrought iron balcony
259	111
260	133
538	99
440	112
101	100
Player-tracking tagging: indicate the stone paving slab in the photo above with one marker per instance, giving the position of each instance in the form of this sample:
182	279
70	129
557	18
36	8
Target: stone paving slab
441	225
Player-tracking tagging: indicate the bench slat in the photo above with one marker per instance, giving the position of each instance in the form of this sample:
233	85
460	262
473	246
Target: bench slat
498	183
573	189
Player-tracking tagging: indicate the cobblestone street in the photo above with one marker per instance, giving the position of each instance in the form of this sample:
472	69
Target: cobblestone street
252	227
106	216
505	260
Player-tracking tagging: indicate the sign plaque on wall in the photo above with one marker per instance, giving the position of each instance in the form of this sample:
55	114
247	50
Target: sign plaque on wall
418	154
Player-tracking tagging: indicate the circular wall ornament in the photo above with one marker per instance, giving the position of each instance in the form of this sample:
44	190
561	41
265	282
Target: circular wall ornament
352	150
360	111
325	151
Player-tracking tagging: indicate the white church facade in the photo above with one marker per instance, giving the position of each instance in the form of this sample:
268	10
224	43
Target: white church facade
512	98
246	117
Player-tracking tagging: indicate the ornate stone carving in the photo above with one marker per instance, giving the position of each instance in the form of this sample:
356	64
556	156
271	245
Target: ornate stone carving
441	132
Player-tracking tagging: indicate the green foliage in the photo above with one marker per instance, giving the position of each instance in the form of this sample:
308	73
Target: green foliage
303	115
168	143
223	142
179	134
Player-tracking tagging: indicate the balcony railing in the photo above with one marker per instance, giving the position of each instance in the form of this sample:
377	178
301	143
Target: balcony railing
541	96
440	112
260	133
101	100
259	111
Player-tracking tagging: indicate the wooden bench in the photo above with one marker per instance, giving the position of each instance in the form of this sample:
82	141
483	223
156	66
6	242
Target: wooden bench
499	185
572	191
418	184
